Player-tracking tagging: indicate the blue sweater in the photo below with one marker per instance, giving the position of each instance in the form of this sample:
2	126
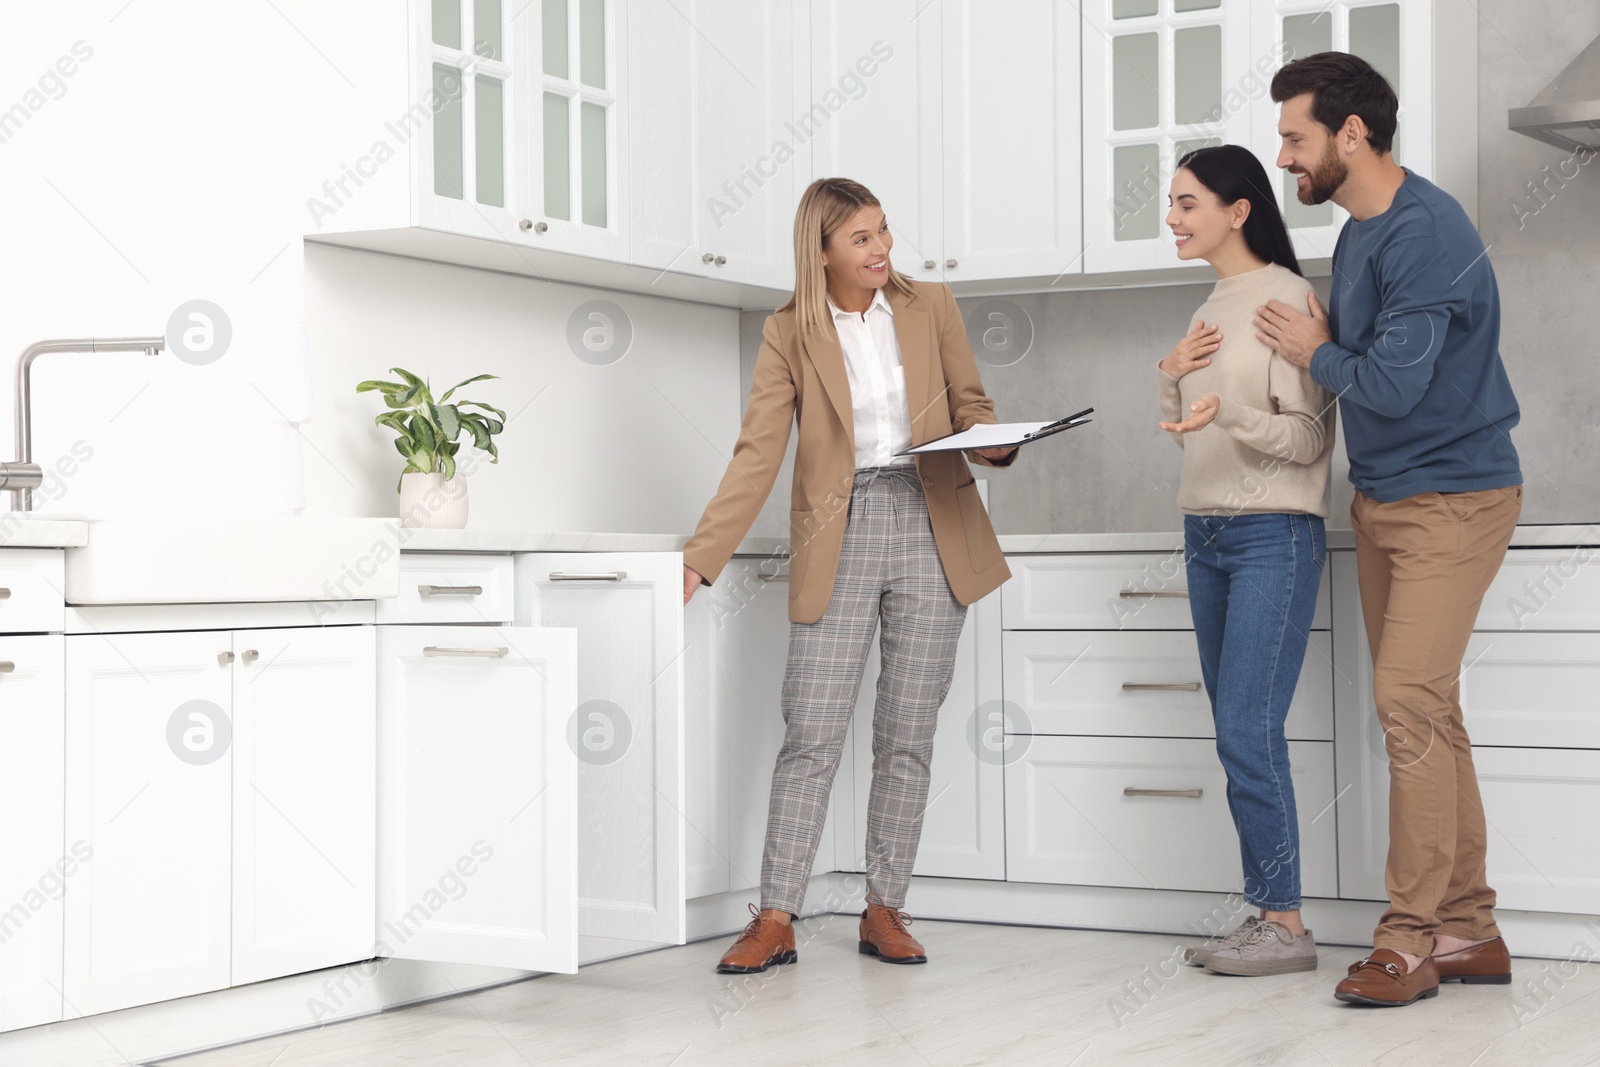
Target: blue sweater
1415	355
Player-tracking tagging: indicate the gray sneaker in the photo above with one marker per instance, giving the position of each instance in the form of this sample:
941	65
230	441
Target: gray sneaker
1269	948
1199	953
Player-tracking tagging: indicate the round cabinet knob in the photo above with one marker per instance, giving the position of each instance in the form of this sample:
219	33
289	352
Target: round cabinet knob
224	658
250	655
708	259
950	264
927	264
720	260
536	227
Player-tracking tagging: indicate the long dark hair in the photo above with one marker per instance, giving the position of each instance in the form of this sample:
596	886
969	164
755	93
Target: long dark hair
1233	174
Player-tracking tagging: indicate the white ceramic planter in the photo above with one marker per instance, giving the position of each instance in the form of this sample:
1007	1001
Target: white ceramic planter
428	501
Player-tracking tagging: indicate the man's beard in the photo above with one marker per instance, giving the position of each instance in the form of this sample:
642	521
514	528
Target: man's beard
1326	177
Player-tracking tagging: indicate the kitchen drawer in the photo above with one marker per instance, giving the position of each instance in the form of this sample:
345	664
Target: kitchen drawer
1544	589
1077	682
1107	591
31	581
437	587
1544	844
1532	690
1070	820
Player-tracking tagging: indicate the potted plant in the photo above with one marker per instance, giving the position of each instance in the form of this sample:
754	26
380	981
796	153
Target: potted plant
427	433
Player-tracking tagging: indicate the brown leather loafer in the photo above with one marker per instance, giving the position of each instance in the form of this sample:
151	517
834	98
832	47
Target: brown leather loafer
1485	964
765	941
883	934
1381	980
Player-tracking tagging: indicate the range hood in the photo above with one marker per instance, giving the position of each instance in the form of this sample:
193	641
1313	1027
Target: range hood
1567	113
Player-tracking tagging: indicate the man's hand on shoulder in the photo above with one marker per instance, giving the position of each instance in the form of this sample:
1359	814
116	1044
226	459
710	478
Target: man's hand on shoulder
1293	334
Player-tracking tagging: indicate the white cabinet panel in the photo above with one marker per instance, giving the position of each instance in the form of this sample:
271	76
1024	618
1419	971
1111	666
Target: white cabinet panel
1147	684
626	730
37	864
1011	142
441	588
477	834
1544	589
31	584
148	789
1532	690
1108	591
304	799
1541	857
1071	818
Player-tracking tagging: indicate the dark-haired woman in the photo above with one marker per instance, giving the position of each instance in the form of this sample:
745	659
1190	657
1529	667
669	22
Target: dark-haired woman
1257	436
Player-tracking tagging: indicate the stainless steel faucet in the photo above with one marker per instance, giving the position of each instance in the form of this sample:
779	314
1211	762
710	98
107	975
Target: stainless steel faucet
23	476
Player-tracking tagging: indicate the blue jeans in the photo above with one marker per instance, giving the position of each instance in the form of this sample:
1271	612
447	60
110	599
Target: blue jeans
1252	590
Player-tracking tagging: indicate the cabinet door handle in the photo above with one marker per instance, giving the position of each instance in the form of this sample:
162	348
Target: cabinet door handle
764	577
1186	794
707	259
536	227
928	264
485	653
5	594
588	576
1152	594
441	590
6	666
250	655
224	658
1161	687
950	264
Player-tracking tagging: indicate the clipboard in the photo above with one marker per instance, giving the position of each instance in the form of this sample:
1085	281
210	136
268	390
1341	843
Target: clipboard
999	435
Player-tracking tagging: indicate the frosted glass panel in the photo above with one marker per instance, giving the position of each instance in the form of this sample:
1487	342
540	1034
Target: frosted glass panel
447	132
489	139
1132	9
1197	75
447	23
553	30
1299	216
1306	35
594	165
486	29
1136	180
1196	5
1183	148
1375	37
557	157
592	42
1135	81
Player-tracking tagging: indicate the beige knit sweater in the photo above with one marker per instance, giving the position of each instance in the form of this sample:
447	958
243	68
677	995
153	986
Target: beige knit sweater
1270	446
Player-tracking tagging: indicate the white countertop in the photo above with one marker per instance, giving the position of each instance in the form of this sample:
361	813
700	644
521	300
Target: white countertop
42	533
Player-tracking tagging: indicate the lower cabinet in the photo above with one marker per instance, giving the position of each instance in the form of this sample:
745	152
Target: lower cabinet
221	781
1149	813
477	786
37	863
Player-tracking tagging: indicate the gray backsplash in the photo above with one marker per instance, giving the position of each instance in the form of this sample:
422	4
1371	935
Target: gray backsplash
1120	474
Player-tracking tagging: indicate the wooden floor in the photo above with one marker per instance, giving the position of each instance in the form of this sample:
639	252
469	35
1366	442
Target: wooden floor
990	995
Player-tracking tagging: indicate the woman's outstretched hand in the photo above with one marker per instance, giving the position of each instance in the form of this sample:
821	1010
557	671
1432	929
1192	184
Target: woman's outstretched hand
691	582
995	454
1205	409
1193	352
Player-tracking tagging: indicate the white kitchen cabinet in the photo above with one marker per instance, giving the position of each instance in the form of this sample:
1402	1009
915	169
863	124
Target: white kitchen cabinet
626	731
445	587
37	864
1157	75
148	790
31	584
304	799
477	827
1541	858
1149	813
717	147
1417	45
963	828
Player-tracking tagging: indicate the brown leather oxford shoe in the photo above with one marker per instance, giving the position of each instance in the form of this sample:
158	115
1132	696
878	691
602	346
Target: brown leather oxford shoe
1381	980
884	935
1485	964
766	940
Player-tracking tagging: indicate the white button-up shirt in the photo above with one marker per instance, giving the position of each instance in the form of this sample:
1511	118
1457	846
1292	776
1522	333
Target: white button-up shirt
882	419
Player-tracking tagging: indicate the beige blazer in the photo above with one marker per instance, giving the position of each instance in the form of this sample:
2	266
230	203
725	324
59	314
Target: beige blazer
805	381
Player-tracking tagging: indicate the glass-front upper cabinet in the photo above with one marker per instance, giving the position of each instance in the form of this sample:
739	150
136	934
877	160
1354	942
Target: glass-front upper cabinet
1160	77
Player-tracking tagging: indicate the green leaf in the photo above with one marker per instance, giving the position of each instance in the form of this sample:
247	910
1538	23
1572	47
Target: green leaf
480	433
381	386
410	379
448	419
402	446
495	425
487	407
449	466
480	378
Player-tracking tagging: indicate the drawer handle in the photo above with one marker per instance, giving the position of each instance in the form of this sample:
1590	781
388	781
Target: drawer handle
1161	687
588	576
6	666
772	577
224	658
5	594
1153	594
485	653
250	655
1186	794
442	590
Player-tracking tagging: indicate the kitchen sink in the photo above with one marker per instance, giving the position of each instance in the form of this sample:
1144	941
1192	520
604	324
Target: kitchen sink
234	560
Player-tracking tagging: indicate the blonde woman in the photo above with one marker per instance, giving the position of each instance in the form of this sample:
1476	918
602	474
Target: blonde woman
868	363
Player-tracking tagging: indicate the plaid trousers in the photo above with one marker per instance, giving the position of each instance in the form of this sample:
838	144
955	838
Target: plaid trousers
888	568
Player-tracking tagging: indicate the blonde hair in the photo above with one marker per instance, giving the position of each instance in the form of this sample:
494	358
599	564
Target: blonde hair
826	205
